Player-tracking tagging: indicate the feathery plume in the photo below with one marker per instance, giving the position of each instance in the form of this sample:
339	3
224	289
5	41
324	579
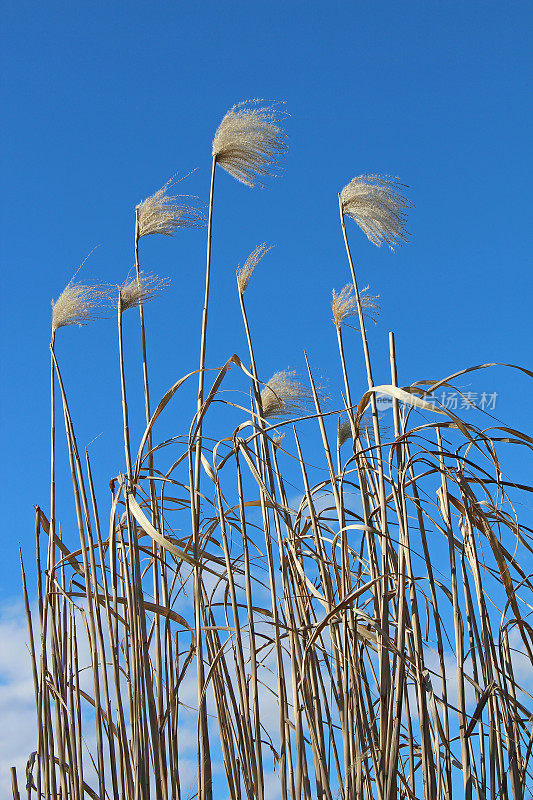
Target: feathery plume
249	143
344	431
365	428
162	213
344	304
78	304
376	205
245	272
283	395
134	293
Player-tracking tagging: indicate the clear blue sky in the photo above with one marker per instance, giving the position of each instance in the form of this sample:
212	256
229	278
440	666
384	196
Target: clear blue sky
103	102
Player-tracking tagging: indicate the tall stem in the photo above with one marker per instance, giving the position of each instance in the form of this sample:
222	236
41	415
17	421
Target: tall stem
157	552
384	657
143	334
160	784
264	455
43	703
201	377
127	450
204	765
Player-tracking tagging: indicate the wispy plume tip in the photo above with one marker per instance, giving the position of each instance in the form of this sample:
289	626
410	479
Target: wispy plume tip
245	272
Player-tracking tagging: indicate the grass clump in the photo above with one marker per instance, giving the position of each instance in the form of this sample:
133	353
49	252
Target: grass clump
363	639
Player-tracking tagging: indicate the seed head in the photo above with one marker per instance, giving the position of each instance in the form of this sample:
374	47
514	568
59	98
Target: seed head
249	143
344	304
162	213
245	272
283	395
376	205
135	292
344	431
365	428
78	304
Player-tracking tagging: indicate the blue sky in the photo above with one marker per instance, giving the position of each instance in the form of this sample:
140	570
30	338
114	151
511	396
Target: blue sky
103	102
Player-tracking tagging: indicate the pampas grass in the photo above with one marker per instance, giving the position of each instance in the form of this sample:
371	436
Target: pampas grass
163	213
78	304
284	395
375	204
344	431
344	304
249	142
295	619
245	272
137	291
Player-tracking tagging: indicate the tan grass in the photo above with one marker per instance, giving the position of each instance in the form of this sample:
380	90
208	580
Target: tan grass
344	304
374	202
78	304
245	272
249	142
344	431
284	395
163	213
352	629
135	292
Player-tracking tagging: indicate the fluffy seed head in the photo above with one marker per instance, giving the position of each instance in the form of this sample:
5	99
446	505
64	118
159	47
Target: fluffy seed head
249	143
162	213
245	272
344	431
376	205
134	293
78	304
365	428
344	304
283	395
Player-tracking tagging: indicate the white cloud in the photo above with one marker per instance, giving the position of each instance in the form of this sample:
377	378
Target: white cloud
17	704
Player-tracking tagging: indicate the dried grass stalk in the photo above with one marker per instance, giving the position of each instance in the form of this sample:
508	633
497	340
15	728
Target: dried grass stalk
376	205
163	213
137	291
249	143
245	272
78	304
284	395
344	304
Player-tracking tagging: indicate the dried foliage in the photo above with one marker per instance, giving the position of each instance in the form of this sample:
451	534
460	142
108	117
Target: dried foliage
364	430
78	304
357	629
284	395
249	142
374	202
344	304
245	272
344	431
163	213
135	292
